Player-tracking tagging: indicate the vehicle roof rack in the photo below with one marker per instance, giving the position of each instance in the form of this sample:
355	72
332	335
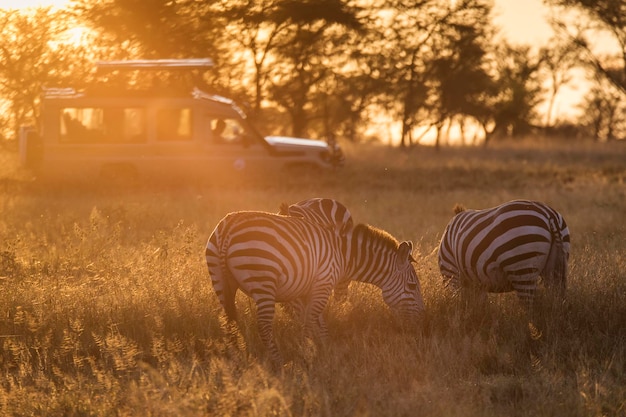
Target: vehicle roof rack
56	92
156	64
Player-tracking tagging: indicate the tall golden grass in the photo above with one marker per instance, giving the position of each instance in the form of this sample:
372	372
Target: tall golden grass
106	307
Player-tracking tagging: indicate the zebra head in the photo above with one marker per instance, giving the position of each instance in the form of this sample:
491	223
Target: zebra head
405	294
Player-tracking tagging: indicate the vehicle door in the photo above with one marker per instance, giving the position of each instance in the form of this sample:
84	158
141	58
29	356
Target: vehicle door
231	145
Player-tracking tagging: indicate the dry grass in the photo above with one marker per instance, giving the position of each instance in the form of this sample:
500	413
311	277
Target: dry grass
106	307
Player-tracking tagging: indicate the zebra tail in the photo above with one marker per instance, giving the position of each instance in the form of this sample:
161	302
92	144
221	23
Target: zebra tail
229	291
555	271
223	281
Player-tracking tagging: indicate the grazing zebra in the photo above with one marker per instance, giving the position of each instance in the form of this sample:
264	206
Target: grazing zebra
368	251
506	248
325	211
376	257
274	258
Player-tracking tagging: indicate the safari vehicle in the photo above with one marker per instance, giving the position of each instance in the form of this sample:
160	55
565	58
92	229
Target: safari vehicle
157	133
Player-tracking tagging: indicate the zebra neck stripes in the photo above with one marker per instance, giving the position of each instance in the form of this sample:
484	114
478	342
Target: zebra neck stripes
369	251
376	257
372	255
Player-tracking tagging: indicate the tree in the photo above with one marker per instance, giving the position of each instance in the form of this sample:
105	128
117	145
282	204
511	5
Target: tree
289	44
604	113
558	59
459	73
251	27
159	29
35	54
404	32
430	47
154	28
308	51
607	16
512	110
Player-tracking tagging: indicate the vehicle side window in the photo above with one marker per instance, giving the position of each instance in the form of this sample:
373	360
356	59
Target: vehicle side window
102	125
226	131
174	124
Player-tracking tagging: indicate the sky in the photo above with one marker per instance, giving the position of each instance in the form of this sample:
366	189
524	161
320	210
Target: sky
523	21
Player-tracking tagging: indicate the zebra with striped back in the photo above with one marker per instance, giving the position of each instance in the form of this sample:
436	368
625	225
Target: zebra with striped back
506	248
369	252
329	213
325	211
274	258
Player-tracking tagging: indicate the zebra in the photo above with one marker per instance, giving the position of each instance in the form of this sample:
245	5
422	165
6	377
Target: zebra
372	254
325	211
274	258
506	248
364	265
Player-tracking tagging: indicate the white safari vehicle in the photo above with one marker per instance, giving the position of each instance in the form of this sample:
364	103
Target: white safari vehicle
157	134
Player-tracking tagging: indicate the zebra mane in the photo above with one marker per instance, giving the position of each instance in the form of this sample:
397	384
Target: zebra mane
377	234
458	208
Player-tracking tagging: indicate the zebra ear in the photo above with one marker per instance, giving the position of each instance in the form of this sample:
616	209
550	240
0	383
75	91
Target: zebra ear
404	251
284	209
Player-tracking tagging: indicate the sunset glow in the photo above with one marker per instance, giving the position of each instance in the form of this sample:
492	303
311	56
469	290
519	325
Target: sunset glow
523	22
22	4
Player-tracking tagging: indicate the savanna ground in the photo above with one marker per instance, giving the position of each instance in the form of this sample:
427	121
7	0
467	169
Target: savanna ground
106	307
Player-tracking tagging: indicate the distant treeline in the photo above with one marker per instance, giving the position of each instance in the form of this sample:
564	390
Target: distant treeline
321	68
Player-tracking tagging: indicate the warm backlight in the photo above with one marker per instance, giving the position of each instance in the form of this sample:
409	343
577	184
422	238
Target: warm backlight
22	4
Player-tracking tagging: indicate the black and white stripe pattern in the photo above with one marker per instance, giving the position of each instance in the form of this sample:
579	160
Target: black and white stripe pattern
325	211
506	248
274	258
376	257
370	255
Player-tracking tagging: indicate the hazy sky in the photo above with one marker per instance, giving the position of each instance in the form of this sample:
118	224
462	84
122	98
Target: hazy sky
523	21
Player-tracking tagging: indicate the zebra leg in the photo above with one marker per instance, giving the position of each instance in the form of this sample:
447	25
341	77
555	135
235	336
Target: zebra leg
452	285
265	321
297	308
315	322
475	295
525	289
341	291
265	300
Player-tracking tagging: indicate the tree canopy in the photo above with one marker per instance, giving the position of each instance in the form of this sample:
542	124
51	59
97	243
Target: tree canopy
606	101
319	68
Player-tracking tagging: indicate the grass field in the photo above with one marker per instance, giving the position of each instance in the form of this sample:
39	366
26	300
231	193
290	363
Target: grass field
106	308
